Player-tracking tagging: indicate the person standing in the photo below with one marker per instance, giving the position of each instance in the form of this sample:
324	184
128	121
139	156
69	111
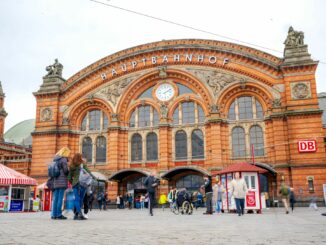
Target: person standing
118	201
292	199
142	201
285	191
79	191
130	201
162	201
100	197
151	183
209	194
60	183
219	195
239	190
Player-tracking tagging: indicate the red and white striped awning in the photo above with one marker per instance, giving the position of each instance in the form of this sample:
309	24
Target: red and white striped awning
9	176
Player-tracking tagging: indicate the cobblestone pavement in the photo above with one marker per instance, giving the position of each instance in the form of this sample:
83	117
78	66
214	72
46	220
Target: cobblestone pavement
304	226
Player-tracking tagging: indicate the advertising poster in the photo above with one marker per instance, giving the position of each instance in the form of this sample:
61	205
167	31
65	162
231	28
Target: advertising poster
4	203
36	205
251	199
16	205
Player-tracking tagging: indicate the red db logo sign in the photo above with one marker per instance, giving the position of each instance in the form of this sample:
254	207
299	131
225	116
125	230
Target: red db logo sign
307	145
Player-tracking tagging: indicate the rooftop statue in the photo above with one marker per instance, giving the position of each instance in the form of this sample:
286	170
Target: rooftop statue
55	69
294	38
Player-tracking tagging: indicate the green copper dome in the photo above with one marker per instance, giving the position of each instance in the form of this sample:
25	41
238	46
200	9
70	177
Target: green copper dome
20	134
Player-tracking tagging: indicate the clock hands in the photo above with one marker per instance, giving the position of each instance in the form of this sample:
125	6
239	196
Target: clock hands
167	91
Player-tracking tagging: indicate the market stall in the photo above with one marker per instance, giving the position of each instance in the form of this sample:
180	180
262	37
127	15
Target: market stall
15	190
250	173
45	195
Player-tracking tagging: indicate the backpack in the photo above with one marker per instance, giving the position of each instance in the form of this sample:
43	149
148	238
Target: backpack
284	190
85	179
53	169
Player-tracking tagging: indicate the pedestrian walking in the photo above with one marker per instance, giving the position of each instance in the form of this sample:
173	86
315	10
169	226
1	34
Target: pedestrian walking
60	183
219	197
142	201
238	190
130	200
285	191
151	183
209	194
100	197
77	167
292	198
118	202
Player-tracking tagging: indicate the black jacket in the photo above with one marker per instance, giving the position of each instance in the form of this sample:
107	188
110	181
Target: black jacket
62	180
151	183
208	186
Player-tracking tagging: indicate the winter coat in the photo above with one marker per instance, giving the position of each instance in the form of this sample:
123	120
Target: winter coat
208	186
74	171
151	183
239	188
62	180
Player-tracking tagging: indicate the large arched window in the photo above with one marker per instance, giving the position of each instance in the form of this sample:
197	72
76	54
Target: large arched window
101	149
238	142
191	112
197	144
245	107
94	120
257	140
151	147
136	148
144	116
180	145
188	112
87	149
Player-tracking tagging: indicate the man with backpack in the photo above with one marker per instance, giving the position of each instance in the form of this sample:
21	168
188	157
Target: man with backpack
285	191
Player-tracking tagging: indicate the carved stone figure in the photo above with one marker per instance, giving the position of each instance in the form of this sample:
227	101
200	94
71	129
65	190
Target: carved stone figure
114	117
164	111
276	103
294	38
55	69
214	108
114	91
300	90
46	114
162	72
65	121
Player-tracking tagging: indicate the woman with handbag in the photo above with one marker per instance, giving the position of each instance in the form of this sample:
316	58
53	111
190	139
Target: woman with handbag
79	177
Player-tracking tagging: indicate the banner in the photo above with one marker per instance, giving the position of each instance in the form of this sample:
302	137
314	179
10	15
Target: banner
4	203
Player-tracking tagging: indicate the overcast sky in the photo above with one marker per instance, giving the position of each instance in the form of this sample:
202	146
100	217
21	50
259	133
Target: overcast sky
79	32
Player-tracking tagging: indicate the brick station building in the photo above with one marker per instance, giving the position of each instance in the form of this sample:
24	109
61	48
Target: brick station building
187	108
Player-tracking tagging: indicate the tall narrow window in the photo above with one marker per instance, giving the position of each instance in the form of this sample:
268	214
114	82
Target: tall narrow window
151	147
156	119
84	124
201	115
132	120
101	149
144	118
197	143
245	108
238	142
87	149
232	111
176	116
259	110
136	148
105	121
257	140
180	145
188	112
95	120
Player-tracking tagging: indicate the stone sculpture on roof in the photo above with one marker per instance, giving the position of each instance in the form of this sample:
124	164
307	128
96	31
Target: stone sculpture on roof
294	38
55	69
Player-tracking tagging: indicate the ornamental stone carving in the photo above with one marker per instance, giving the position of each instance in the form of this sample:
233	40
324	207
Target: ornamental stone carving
164	111
115	90
294	38
46	114
214	108
276	103
300	90
55	69
162	72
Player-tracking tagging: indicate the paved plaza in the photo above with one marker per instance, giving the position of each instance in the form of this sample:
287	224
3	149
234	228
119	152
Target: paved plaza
304	226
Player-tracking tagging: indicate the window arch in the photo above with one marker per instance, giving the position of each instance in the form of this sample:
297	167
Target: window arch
144	116
238	142
151	147
197	144
180	145
94	120
87	149
101	149
257	140
245	107
136	148
190	112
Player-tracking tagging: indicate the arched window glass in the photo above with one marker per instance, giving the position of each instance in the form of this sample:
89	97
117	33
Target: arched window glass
105	121
151	147
132	120
190	182
232	111
257	139
136	148
95	120
201	115
245	107
147	93
101	149
84	124
188	112
156	119
176	116
259	110
144	117
238	142
180	145
87	149
183	89
197	144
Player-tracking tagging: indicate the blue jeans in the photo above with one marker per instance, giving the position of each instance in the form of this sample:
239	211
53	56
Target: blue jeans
239	202
218	206
79	193
57	198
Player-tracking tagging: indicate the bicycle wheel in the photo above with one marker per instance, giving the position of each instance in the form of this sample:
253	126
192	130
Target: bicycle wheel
186	208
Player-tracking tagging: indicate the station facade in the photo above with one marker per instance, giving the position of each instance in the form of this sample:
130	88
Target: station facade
187	108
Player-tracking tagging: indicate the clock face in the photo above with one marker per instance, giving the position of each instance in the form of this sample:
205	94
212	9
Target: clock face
164	92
